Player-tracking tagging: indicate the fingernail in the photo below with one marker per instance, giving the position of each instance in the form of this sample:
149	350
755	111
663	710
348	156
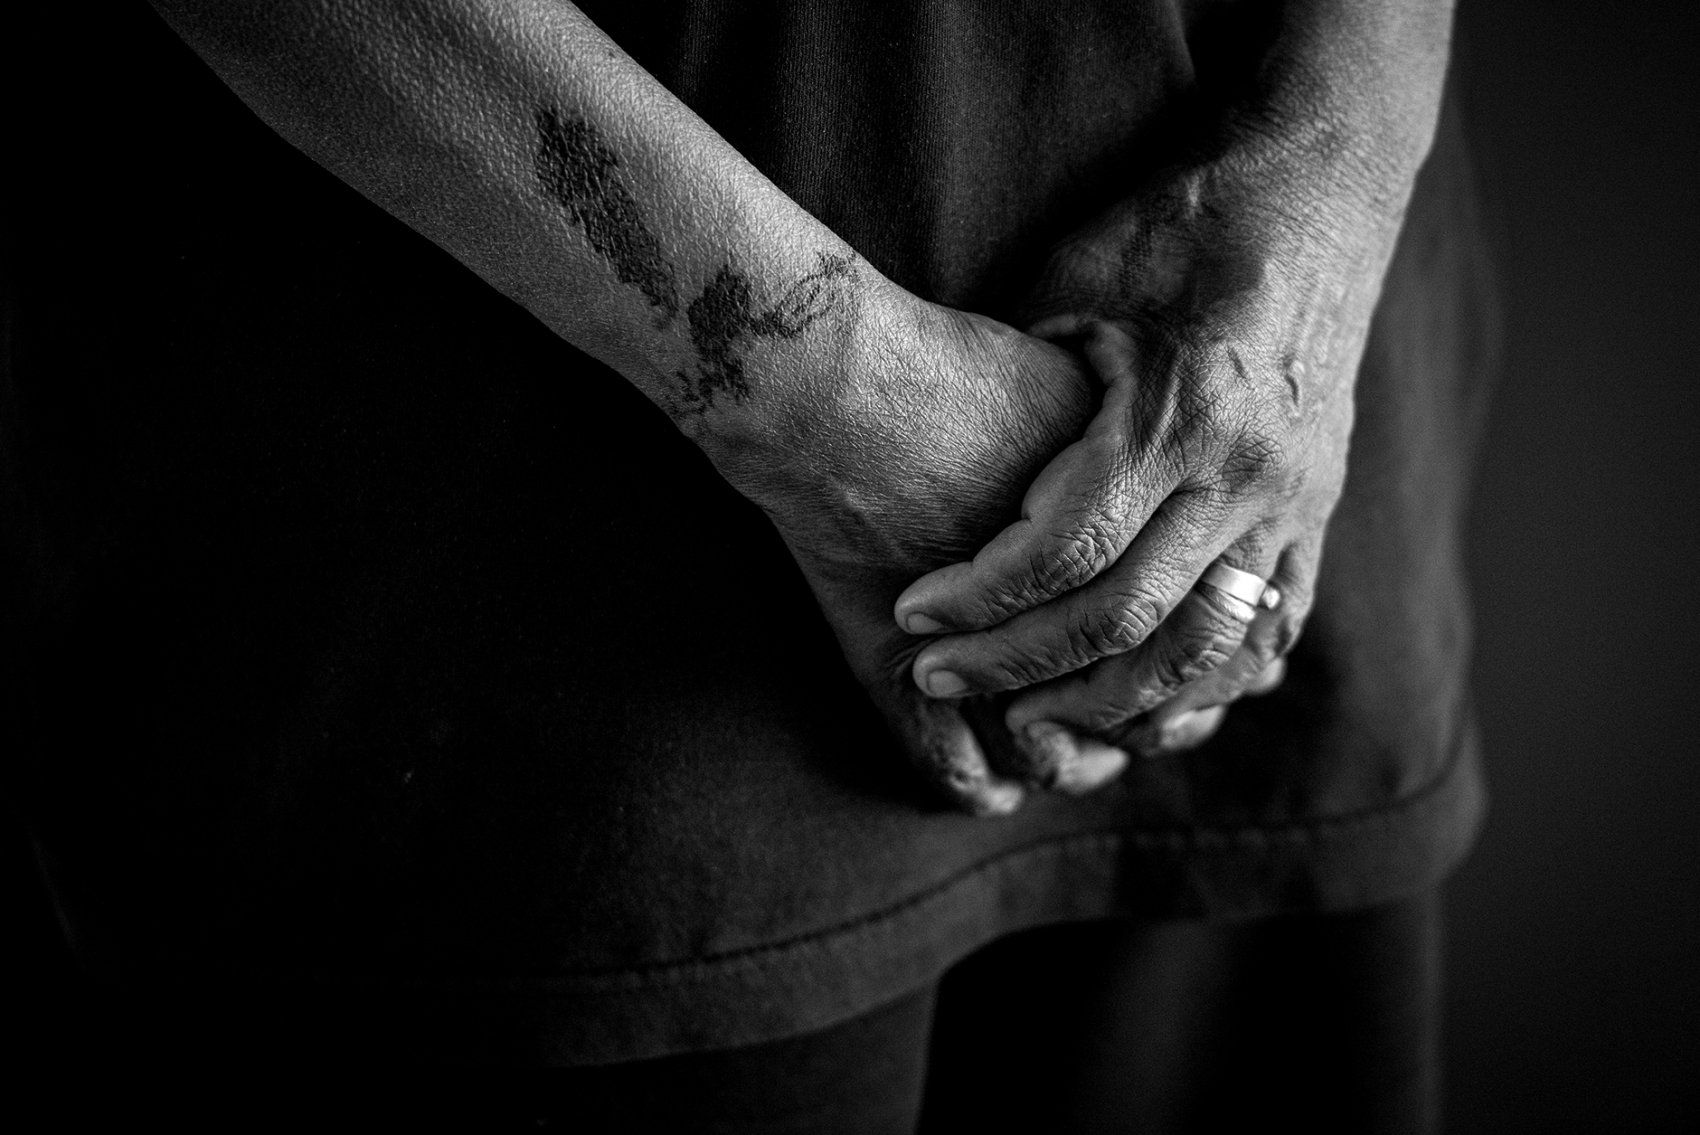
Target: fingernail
1094	765
917	623
1188	730
1076	765
1175	732
998	799
944	684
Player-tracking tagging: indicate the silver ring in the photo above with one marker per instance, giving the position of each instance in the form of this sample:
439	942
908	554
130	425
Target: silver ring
1247	590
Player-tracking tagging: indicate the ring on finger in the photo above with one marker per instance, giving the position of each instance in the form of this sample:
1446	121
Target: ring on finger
1243	592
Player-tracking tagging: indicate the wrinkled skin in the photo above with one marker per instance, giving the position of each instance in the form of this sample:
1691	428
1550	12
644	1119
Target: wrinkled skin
1225	309
1222	308
940	423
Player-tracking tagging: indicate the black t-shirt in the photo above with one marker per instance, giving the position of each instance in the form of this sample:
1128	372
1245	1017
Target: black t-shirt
361	636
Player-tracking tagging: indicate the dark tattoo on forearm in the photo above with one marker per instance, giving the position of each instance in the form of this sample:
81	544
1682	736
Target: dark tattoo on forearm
578	170
581	174
725	314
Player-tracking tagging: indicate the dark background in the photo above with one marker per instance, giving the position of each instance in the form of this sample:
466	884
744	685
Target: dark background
1574	999
1575	928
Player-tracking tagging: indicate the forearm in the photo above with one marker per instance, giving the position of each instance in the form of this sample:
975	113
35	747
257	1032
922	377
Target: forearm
1225	301
1279	208
882	434
524	142
1349	91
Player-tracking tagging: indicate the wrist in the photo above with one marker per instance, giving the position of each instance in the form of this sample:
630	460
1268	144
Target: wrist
808	394
1219	233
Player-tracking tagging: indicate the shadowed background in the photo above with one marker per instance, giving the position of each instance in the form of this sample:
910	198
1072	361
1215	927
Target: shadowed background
1575	928
1575	931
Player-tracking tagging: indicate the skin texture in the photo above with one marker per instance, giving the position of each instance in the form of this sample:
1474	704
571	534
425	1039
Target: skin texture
525	143
582	173
726	320
579	170
1225	307
1221	310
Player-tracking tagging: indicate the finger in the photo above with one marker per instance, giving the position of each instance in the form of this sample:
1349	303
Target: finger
1077	517
941	745
1095	764
1253	669
1112	615
1267	679
1190	718
1204	632
1258	667
1189	730
1063	326
934	736
1057	761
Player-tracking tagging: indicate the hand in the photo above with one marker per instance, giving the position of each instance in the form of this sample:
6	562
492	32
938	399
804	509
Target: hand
1226	316
919	455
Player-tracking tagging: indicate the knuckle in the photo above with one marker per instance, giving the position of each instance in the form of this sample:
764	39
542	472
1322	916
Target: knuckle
1018	668
1221	424
1096	545
1233	454
1168	672
1008	597
1115	629
1075	559
1257	460
1202	656
1261	650
1196	429
1003	599
1192	653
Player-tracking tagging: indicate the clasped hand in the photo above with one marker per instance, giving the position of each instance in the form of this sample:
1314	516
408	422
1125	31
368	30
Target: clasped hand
1226	357
1209	423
